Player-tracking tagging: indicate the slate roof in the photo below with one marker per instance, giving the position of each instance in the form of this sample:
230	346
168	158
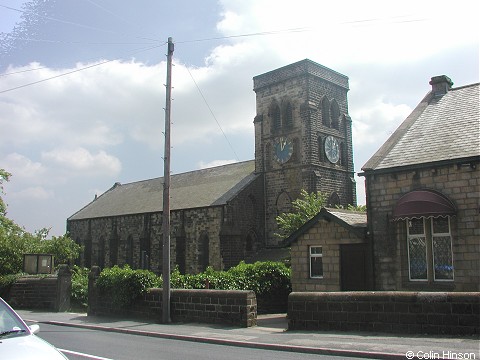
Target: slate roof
440	128
353	221
194	189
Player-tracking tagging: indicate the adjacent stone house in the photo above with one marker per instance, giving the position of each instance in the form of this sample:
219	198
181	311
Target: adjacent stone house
423	195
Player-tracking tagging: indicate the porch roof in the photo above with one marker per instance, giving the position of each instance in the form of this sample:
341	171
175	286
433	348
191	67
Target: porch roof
353	221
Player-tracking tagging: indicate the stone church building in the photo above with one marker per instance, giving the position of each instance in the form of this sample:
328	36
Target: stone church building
225	214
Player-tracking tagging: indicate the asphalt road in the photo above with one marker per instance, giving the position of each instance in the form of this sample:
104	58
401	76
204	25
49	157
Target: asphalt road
81	344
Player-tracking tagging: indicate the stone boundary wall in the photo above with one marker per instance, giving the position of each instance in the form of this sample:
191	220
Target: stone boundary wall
231	307
450	313
51	292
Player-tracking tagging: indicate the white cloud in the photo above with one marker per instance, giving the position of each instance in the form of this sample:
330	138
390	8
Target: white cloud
338	33
83	161
206	165
36	193
376	120
22	168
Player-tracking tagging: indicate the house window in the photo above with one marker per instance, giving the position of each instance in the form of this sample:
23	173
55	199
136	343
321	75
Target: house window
429	244
442	249
417	249
316	262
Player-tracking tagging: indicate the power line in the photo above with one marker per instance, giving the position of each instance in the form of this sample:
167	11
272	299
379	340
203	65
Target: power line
213	115
73	71
301	29
263	33
77	24
82	42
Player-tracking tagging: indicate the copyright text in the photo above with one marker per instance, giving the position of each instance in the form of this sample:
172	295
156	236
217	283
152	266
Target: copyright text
439	355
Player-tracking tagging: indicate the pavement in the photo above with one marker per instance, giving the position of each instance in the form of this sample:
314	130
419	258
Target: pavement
271	333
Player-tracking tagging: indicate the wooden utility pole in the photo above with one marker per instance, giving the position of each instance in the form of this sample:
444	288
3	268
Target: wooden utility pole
166	191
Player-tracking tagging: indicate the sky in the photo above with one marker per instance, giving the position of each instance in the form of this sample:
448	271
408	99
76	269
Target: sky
82	83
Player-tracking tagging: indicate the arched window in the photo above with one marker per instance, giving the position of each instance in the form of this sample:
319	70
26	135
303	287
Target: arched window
250	242
284	203
334	114
129	251
276	117
203	252
180	250
325	111
333	200
113	250
288	116
101	253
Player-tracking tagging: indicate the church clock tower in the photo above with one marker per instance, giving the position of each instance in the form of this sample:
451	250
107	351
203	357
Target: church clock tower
303	138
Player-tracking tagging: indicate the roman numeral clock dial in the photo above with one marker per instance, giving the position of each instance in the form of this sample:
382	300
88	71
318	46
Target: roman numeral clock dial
283	149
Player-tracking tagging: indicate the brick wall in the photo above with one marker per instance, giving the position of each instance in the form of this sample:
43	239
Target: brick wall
393	312
231	307
51	292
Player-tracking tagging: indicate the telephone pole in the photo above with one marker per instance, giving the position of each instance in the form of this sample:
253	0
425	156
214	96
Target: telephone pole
166	192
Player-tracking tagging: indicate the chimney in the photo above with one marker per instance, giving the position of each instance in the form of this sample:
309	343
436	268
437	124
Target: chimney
440	85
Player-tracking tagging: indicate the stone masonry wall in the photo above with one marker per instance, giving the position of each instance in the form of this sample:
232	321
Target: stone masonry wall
303	85
50	292
451	313
231	307
330	236
109	241
461	184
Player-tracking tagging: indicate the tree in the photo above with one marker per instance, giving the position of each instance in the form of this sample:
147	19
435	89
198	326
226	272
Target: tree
305	208
16	241
4	176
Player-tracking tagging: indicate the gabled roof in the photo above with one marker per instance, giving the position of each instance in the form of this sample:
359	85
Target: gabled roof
194	189
353	221
440	129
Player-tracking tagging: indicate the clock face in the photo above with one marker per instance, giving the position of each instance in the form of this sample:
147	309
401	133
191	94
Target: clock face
332	149
283	149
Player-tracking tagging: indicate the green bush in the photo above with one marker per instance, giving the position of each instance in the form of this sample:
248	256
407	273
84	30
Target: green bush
124	285
209	278
269	280
264	278
79	295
